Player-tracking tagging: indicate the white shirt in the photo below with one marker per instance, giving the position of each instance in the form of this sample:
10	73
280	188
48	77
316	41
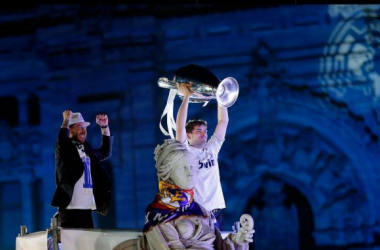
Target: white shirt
208	191
83	196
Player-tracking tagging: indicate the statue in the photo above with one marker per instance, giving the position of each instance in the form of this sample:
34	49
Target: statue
174	220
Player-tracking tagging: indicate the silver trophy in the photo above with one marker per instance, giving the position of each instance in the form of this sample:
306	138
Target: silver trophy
204	85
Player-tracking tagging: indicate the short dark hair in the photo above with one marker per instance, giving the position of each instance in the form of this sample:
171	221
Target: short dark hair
192	123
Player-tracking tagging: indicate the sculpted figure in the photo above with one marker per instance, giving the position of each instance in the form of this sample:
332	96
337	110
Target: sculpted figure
174	220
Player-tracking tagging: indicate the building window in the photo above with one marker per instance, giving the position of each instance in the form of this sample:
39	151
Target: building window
9	110
34	116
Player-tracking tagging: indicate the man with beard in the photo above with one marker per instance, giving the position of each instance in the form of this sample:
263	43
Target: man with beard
82	184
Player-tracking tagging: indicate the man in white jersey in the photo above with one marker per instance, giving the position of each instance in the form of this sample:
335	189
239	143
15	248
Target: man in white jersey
208	191
83	184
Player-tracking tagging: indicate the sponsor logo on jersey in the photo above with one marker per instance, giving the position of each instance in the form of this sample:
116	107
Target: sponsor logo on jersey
207	164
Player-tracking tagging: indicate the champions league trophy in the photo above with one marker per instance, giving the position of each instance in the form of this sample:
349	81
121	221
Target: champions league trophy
204	86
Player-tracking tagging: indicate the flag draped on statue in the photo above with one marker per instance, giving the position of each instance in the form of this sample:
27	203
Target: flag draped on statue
171	203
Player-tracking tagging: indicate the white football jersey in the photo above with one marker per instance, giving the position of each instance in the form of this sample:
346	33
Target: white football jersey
208	191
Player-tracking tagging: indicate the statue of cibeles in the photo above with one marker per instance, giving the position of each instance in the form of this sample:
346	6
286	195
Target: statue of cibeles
174	220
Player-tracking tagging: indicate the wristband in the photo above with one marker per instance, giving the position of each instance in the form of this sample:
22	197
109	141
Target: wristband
106	126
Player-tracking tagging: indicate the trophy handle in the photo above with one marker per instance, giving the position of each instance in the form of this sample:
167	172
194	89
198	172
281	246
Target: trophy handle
227	92
195	97
164	82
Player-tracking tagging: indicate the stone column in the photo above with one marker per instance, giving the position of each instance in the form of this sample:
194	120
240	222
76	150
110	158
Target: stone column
27	195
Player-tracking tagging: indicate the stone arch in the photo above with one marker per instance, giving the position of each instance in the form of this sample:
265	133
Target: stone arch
317	146
305	217
301	218
252	183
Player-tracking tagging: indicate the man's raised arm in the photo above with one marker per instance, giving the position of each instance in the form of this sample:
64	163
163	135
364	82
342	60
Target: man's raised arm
182	113
223	119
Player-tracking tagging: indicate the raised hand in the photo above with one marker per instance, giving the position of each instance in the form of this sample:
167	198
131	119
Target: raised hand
184	89
67	114
102	119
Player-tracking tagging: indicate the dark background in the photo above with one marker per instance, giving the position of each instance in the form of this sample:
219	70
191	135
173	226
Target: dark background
302	147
